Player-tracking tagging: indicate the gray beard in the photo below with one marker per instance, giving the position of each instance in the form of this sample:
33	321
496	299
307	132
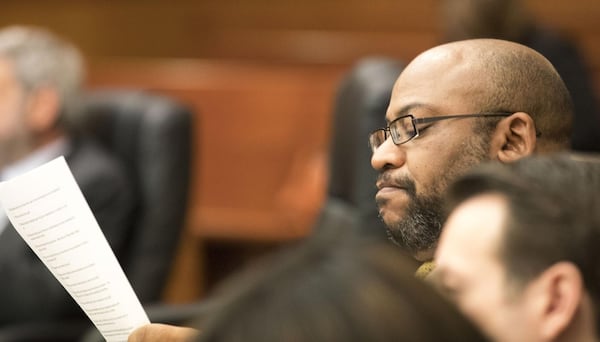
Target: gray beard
421	227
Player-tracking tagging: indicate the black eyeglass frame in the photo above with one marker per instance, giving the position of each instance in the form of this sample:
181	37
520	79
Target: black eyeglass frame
416	121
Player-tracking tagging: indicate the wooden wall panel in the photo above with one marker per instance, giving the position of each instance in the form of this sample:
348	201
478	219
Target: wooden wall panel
261	139
264	29
310	31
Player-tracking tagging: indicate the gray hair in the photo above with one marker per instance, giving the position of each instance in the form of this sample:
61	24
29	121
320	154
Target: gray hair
42	59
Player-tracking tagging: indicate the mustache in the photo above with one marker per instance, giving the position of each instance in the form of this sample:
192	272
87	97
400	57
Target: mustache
403	182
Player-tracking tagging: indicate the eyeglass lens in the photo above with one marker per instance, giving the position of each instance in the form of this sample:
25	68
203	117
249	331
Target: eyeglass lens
401	129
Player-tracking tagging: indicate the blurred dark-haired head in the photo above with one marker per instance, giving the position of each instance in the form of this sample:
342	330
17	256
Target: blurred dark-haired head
324	290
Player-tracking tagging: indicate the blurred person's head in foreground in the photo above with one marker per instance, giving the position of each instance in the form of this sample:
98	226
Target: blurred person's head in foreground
519	252
453	107
40	79
327	291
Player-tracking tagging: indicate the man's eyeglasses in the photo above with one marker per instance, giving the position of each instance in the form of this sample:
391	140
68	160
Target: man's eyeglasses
404	128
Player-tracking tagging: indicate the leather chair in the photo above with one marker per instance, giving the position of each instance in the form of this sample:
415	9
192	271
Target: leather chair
362	100
151	135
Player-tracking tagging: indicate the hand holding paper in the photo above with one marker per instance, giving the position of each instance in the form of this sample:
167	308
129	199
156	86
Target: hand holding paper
48	210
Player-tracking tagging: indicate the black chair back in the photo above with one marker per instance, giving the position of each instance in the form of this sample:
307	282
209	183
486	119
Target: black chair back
362	99
151	135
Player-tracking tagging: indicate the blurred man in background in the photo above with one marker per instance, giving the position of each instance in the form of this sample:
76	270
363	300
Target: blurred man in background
40	79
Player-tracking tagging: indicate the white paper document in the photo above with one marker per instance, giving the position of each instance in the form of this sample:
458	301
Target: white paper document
48	210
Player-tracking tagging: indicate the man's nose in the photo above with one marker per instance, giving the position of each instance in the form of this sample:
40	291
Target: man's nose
388	155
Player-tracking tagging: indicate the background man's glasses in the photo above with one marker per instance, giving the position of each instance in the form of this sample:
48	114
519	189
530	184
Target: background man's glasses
403	129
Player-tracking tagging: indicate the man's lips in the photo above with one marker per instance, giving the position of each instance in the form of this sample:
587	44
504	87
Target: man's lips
386	186
389	188
390	191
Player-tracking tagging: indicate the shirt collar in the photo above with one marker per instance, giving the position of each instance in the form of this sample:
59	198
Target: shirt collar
38	157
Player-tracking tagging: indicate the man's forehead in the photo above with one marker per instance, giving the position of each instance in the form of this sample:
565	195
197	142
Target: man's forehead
394	111
437	86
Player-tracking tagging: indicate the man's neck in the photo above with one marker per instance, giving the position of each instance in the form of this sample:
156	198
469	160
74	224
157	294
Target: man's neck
425	255
30	146
50	150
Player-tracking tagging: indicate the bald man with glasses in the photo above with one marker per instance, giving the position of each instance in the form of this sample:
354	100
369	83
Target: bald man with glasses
453	107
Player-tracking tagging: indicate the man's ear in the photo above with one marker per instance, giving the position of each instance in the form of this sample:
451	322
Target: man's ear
559	293
43	109
513	138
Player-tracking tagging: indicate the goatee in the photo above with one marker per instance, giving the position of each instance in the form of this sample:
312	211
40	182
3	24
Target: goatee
421	227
